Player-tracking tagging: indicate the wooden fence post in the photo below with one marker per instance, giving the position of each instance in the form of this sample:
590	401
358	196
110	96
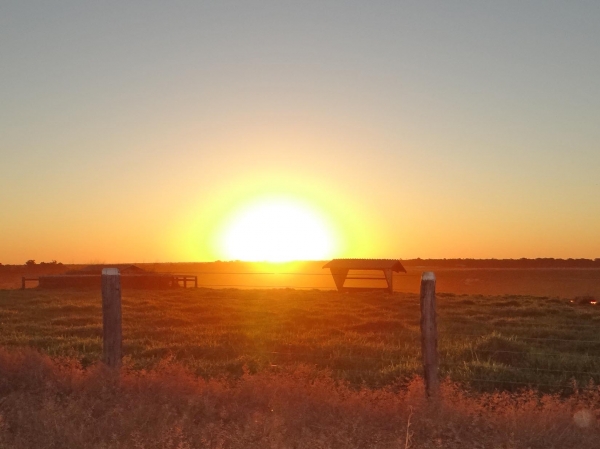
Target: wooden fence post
429	333
111	316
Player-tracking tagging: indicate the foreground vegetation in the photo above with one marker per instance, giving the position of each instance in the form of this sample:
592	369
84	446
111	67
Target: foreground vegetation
366	339
57	404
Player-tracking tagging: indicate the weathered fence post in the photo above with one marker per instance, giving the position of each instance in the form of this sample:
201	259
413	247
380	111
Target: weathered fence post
23	283
111	316
429	333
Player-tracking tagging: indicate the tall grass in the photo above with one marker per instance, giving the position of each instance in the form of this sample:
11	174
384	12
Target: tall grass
48	403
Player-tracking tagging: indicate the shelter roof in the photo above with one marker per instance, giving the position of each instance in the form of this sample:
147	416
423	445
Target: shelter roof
366	264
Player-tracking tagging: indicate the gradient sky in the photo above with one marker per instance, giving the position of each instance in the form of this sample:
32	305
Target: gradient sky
129	131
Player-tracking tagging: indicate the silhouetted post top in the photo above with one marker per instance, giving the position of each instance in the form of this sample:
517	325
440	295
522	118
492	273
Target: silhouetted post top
428	276
366	264
111	272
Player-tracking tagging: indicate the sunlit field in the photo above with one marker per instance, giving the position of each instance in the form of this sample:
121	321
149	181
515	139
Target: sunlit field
230	368
370	339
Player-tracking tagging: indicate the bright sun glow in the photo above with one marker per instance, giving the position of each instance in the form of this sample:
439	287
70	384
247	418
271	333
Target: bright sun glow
277	230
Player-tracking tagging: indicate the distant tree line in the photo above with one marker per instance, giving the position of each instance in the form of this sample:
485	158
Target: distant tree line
441	263
32	266
547	262
31	262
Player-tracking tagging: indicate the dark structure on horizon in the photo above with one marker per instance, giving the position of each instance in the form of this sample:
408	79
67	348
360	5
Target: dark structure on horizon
132	276
340	267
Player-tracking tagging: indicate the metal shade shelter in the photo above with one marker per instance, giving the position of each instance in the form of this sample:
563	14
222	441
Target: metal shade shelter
340	267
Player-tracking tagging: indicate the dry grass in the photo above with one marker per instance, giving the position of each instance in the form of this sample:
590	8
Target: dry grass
57	404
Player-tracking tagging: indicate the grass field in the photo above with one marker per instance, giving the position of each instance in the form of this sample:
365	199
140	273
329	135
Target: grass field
370	339
284	368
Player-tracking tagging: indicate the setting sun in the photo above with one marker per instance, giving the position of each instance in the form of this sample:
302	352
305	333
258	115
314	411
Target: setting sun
277	230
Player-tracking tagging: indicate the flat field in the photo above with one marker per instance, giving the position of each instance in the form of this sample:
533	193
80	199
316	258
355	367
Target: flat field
256	368
368	339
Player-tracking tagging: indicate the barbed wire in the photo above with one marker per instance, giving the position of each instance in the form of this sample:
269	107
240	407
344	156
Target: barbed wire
393	359
392	363
402	356
285	273
527	368
545	354
252	273
525	328
338	358
258	287
569	384
389	362
529	384
516	337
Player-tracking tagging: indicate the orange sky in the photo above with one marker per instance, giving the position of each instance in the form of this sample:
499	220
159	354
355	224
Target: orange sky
135	133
